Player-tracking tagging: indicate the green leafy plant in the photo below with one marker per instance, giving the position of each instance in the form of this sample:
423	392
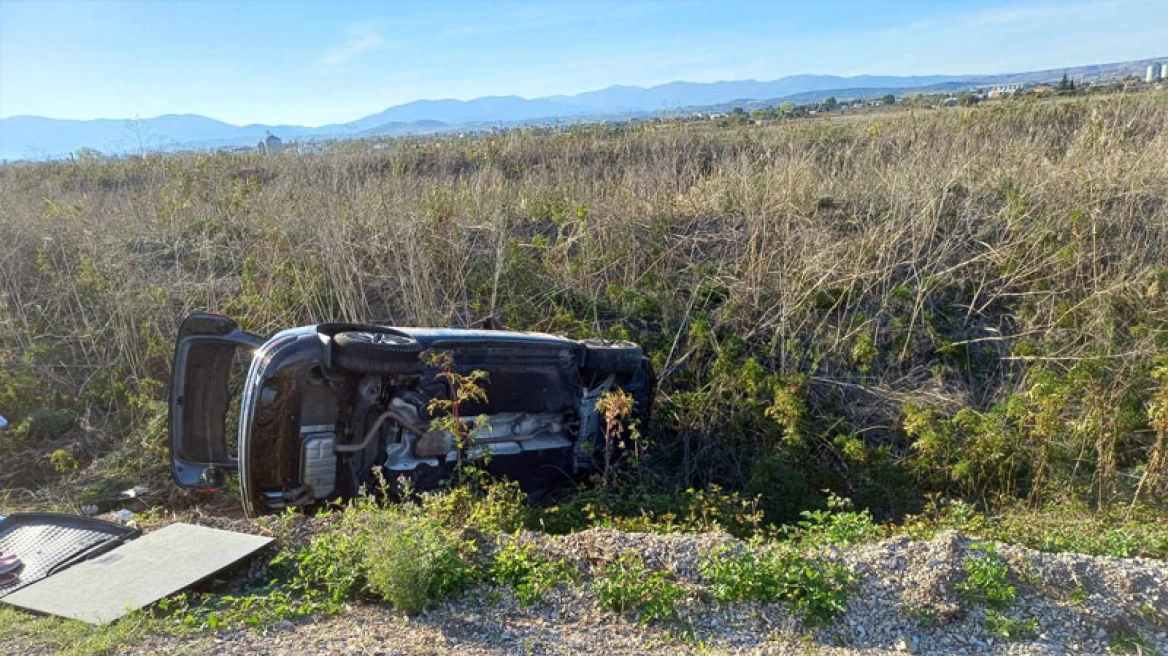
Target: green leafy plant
1130	641
987	582
628	585
63	461
641	508
318	578
485	505
864	352
412	560
331	567
1010	628
987	578
447	412
45	424
1078	594
1066	526
817	591
531	574
838	524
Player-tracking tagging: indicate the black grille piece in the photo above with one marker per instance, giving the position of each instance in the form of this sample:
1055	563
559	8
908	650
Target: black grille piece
47	543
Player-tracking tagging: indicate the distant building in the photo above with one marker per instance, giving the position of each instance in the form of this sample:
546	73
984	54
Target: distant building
1153	73
271	145
1004	90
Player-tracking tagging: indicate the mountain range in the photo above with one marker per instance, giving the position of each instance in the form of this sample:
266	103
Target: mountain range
34	137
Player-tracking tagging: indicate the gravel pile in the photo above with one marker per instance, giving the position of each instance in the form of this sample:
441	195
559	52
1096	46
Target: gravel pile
1082	604
906	602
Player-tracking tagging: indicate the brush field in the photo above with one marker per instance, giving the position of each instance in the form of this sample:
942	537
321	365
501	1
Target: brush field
891	331
971	303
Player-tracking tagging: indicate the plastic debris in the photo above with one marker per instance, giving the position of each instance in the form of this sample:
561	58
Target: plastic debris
134	492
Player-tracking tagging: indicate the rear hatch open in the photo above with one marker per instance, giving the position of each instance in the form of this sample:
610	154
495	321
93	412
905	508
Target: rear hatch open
208	349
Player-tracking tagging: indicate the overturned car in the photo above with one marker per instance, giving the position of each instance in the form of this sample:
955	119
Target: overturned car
323	409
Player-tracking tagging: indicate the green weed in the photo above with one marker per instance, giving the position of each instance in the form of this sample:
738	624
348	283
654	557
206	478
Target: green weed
412	560
987	578
531	574
1078	594
838	524
21	632
1060	527
646	508
817	591
487	506
997	624
1129	641
629	586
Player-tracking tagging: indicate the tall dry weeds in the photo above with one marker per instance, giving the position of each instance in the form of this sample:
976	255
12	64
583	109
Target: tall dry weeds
972	297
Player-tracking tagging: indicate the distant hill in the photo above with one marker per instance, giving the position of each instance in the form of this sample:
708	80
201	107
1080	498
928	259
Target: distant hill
696	94
34	137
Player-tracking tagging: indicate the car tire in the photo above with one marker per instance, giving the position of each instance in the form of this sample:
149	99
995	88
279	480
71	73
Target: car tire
611	356
377	352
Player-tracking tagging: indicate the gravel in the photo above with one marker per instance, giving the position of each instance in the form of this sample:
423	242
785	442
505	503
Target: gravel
905	603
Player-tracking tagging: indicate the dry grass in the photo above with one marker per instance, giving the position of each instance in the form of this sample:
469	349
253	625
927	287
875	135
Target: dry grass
799	286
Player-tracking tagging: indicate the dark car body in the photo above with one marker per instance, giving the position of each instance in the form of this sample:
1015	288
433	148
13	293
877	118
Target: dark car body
323	409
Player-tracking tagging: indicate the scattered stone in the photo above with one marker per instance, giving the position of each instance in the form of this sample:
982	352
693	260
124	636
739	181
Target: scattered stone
905	602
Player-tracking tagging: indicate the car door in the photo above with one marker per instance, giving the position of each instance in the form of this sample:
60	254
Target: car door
207	348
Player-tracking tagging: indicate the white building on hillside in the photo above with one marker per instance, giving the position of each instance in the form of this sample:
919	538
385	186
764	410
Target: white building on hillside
1003	90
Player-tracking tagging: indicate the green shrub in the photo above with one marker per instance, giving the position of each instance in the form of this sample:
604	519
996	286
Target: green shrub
1130	641
320	577
628	585
63	461
45	424
741	576
839	524
332	566
817	591
531	574
1010	628
864	352
1059	527
987	578
642	508
493	506
20	390
412	560
782	488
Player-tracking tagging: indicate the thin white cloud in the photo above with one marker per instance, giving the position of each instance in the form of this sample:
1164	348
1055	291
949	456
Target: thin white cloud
362	39
510	19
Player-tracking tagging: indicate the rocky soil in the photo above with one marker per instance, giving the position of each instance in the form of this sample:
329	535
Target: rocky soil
906	602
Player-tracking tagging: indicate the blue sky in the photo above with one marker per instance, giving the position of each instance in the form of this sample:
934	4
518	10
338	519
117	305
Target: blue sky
324	62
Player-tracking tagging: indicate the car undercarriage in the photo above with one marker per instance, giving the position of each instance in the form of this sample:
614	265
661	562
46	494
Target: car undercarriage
328	410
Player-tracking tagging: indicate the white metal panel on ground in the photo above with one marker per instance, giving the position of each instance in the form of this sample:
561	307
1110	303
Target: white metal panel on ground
138	573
